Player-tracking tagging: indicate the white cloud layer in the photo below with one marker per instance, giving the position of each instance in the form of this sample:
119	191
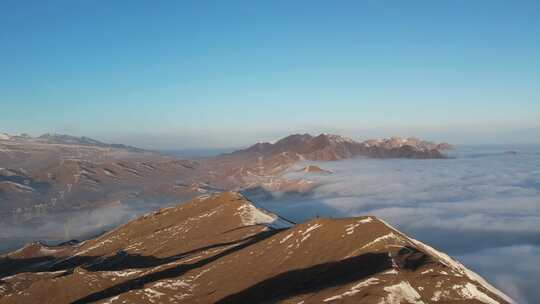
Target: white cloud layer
483	205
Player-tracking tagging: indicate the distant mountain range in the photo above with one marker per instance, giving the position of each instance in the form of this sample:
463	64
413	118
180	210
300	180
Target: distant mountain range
323	147
56	171
327	147
224	249
84	141
63	139
263	164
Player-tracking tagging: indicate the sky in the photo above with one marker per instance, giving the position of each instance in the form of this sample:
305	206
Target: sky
192	74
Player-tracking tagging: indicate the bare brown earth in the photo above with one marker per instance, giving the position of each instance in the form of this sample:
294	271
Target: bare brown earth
223	249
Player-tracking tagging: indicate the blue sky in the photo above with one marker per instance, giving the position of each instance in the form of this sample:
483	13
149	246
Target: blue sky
183	74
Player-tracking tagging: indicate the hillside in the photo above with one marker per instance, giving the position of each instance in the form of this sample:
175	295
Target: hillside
223	249
54	173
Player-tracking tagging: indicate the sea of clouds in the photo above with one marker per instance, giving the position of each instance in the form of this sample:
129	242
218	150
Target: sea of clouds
482	206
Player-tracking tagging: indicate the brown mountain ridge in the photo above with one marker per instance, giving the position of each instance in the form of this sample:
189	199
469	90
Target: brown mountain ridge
225	249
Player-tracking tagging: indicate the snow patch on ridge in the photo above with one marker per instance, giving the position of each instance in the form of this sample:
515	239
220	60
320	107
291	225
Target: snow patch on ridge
311	228
388	236
251	215
354	289
286	238
152	294
470	291
349	229
402	292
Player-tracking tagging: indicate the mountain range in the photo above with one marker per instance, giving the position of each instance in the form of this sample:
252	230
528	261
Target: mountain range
224	249
328	147
63	139
54	172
